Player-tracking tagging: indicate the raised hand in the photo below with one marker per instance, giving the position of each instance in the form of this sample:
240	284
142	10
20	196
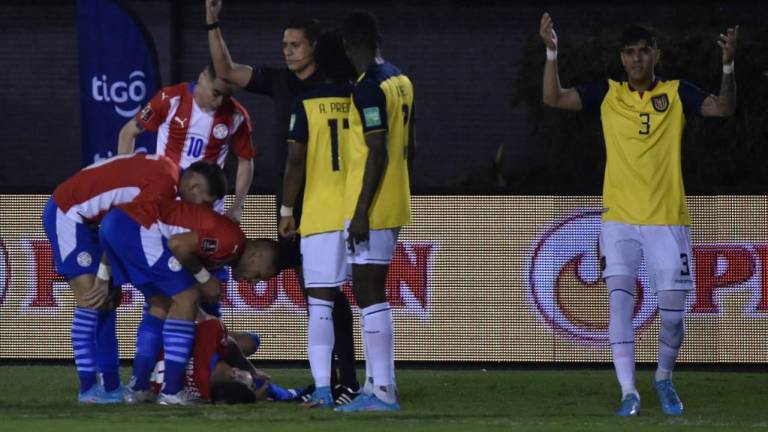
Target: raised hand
212	9
727	43
547	31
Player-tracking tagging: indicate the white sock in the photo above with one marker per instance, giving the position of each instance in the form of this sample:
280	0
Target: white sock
378	331
671	311
320	339
368	383
621	335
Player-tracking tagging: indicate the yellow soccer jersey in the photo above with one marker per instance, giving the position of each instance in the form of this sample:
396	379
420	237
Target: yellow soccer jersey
319	119
643	131
382	101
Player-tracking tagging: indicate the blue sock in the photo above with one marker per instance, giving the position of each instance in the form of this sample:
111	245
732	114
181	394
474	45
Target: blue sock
84	346
107	355
178	337
149	340
275	392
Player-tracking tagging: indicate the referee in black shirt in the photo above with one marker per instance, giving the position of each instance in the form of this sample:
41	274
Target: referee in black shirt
283	85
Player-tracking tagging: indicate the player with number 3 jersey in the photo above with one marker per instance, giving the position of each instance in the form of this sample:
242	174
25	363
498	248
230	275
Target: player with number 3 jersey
646	215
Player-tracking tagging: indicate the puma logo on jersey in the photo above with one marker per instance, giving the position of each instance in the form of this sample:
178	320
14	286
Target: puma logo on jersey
180	121
163	96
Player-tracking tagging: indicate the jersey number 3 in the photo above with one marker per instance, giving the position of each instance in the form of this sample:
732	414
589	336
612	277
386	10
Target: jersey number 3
645	124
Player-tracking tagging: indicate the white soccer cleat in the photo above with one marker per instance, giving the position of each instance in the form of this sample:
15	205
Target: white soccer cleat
134	397
183	398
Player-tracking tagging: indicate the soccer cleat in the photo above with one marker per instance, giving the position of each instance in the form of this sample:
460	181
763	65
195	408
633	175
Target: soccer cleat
183	397
343	395
133	397
366	402
306	395
91	396
321	398
670	401
96	395
111	397
630	406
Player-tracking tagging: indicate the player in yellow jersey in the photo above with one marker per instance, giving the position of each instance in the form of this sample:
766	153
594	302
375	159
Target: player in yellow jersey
318	129
645	209
376	197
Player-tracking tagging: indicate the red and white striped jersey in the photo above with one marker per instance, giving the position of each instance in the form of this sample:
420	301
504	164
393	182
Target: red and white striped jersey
187	134
219	240
88	195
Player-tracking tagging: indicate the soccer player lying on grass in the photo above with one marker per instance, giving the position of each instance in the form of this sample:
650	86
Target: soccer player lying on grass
165	249
219	370
70	220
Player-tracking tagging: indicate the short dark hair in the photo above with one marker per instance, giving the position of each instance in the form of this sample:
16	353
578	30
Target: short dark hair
362	28
214	175
311	27
637	33
232	392
266	243
331	59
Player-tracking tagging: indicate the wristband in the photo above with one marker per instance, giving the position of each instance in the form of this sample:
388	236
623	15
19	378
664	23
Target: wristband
203	276
551	54
286	211
104	272
212	26
728	68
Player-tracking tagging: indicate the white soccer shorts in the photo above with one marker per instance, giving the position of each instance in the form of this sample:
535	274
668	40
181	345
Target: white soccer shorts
666	248
324	259
377	250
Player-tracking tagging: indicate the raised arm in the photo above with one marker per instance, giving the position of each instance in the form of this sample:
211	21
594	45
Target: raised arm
724	104
236	74
554	95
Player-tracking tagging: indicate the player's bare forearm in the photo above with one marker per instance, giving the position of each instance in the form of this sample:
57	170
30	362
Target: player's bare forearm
295	166
553	94
727	96
126	139
243	180
551	87
236	358
375	164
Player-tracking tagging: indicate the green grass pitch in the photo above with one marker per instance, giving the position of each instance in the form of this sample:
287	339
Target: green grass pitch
41	398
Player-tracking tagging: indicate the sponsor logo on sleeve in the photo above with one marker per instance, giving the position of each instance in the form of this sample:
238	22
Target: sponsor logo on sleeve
210	245
147	113
372	117
292	122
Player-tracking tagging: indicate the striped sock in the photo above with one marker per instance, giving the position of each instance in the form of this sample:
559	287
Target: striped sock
149	340
107	356
178	337
84	346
